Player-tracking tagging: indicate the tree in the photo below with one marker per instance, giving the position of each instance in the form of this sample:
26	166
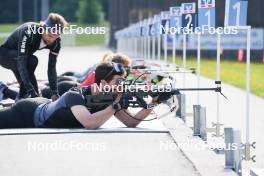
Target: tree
89	11
65	8
8	11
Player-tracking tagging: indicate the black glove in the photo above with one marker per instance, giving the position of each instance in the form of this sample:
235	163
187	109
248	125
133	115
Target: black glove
124	101
142	103
31	94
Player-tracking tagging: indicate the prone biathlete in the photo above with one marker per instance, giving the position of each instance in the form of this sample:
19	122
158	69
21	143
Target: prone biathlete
70	110
65	83
17	53
81	76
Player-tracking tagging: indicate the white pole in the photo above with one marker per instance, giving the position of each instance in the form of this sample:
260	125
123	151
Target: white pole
145	47
130	47
149	47
184	57
174	49
198	65
141	47
159	46
135	47
165	48
218	79
153	48
248	85
138	47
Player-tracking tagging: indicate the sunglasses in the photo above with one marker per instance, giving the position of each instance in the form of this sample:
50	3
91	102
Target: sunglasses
118	68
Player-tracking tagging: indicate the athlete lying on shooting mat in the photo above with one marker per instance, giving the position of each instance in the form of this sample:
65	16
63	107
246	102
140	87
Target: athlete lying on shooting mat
81	76
65	83
70	110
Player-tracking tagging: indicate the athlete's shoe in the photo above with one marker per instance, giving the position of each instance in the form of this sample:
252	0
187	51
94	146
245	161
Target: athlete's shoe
2	88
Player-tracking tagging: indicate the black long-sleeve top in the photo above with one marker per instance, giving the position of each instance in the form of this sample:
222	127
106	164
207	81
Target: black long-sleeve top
26	40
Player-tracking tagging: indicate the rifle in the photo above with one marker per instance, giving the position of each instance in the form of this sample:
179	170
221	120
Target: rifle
134	98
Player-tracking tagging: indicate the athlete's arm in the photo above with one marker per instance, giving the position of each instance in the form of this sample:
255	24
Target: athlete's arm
92	121
52	72
88	120
125	117
25	37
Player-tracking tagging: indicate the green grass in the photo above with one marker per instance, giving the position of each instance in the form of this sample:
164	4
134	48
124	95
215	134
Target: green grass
90	39
2	40
8	27
232	72
81	40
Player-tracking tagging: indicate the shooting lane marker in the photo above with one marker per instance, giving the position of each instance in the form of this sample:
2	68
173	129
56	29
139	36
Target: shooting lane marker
173	49
217	125
145	23
198	65
165	16
159	47
236	16
135	47
141	38
175	22
149	37
184	57
248	144
206	17
188	22
153	48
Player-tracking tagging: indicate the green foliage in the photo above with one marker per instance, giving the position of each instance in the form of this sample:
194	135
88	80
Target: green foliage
8	11
89	11
84	11
66	9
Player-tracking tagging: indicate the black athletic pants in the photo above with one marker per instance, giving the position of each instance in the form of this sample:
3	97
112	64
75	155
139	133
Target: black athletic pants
8	61
69	73
21	114
63	86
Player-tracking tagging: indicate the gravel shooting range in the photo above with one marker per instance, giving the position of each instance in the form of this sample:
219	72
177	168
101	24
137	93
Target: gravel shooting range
132	87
